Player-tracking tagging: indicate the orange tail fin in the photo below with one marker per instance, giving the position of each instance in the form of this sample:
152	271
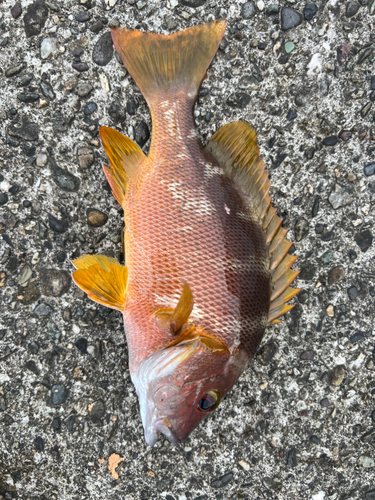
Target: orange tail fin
159	63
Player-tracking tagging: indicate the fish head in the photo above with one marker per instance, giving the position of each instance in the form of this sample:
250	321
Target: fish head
181	385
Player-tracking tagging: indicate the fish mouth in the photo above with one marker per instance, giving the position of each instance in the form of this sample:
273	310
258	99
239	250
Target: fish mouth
161	426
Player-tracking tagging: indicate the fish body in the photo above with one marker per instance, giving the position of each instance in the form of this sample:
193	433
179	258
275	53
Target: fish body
200	282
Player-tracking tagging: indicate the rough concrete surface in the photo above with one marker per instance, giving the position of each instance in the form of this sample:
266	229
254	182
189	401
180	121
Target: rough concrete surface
300	422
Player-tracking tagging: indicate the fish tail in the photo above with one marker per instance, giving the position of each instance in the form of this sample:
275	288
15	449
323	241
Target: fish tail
177	62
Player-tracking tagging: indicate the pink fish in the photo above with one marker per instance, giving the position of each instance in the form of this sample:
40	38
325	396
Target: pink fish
207	263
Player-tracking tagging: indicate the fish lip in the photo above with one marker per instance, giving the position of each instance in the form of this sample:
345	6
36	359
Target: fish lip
151	436
163	426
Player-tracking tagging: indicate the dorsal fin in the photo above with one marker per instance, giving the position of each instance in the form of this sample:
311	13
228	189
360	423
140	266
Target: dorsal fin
174	319
103	279
124	156
235	148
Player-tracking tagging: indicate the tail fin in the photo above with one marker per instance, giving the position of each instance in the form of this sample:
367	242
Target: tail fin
159	63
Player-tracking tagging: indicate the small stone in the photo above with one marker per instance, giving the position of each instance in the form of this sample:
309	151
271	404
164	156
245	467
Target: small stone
337	375
103	50
83	17
97	411
131	107
324	87
357	337
330	311
117	112
339	197
289	46
319	496
31	365
81	345
30	293
59	394
365	110
260	5
80	67
48	47
28	131
54	282
351	9
345	135
369	169
366	462
41	159
222	481
324	403
47	90
364	240
301	229
23	80
95	217
273	9
352	292
58	226
16	10
291	458
14	70
28	97
332	140
86	156
61	256
35	18
292	114
56	424
342	53
309	11
3	198
97	26
290	18
239	100
193	3
90	108
25	275
84	89
248	10
315	65
141	134
62	178
39	443
307	355
267	353
335	274
42	310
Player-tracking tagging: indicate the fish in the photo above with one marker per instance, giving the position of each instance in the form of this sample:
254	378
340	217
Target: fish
207	265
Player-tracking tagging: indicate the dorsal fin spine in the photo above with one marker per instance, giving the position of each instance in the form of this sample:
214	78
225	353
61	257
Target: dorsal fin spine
235	148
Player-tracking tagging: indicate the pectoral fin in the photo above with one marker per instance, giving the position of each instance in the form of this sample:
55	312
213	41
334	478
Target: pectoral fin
174	319
103	279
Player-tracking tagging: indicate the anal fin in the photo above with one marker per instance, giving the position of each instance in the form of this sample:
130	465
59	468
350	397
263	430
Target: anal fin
103	279
124	156
235	148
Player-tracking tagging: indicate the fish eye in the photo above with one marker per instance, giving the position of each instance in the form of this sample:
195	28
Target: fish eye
209	401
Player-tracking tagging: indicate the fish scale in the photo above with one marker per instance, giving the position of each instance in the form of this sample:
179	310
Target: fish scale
207	263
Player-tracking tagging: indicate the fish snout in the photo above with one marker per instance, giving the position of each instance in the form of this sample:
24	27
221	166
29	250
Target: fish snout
164	426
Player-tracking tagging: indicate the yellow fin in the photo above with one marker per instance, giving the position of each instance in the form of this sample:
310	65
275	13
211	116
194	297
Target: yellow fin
124	156
174	319
234	146
87	261
105	281
183	309
161	64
